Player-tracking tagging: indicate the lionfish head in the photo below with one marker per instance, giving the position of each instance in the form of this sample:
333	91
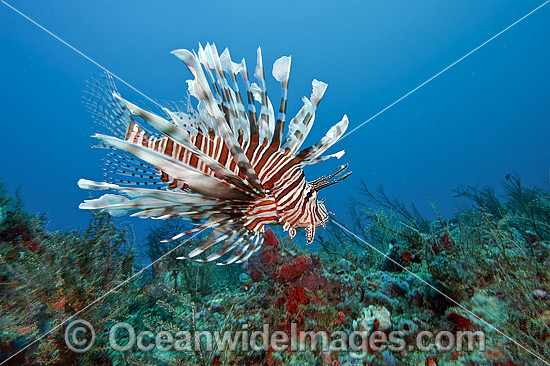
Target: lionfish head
315	205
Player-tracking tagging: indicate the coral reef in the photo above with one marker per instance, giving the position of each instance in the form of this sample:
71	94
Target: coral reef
484	270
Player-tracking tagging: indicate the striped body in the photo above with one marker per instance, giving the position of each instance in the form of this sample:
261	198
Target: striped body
224	165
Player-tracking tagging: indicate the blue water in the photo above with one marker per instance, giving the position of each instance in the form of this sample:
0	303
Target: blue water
484	118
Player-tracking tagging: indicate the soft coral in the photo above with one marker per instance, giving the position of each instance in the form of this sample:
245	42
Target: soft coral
297	296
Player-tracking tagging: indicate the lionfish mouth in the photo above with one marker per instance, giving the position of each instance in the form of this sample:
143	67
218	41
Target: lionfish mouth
223	163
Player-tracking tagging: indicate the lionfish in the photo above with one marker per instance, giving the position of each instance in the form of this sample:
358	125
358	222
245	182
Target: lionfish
224	166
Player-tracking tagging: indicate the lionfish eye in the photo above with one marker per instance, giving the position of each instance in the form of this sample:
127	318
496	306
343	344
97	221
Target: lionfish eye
309	195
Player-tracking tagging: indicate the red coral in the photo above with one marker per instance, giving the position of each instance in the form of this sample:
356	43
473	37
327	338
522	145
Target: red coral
445	244
507	363
216	361
24	330
291	271
430	361
455	355
460	320
297	296
496	353
341	318
531	238
270	240
255	274
31	245
60	304
269	257
312	282
406	257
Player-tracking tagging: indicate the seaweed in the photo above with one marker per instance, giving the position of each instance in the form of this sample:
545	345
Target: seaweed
485	198
530	204
411	216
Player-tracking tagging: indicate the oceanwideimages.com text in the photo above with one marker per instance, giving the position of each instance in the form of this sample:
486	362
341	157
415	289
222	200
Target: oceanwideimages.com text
123	337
